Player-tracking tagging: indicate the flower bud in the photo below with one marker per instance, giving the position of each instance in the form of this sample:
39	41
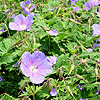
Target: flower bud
80	77
49	87
71	69
96	71
44	85
60	74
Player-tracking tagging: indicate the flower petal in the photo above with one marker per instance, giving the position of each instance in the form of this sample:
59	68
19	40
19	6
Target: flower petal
14	26
45	72
29	20
38	58
19	19
25	70
26	59
45	65
37	78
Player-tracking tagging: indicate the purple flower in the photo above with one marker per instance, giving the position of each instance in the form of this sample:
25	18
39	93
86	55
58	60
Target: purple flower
73	2
53	92
16	64
2	29
83	99
53	32
0	79
52	59
7	10
98	61
91	3
35	66
32	14
79	86
96	29
97	91
27	6
76	9
21	22
89	49
95	45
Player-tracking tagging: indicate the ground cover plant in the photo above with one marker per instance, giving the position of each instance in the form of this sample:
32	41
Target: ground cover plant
50	50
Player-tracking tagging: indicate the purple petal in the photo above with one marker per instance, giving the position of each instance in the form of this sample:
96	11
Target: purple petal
38	58
29	20
89	49
32	14
95	45
28	2
2	29
83	99
52	59
45	65
25	70
53	32
14	26
73	2
98	61
22	4
45	72
27	59
37	78
53	92
7	10
96	29
0	79
19	19
76	9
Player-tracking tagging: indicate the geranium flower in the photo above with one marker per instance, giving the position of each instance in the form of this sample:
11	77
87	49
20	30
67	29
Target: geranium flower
95	45
2	29
73	2
76	9
52	59
35	66
27	6
53	92
53	32
91	3
0	79
79	86
21	22
90	50
96	29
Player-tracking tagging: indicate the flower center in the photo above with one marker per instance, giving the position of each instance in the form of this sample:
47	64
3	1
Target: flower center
22	27
33	68
27	9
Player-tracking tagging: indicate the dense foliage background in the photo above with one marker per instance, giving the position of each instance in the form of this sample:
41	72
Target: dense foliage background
75	65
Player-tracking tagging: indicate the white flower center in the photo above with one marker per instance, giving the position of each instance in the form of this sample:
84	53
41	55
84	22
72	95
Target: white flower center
22	27
33	68
27	9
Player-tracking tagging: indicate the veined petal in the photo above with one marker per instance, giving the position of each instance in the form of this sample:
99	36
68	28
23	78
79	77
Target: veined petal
37	78
19	19
26	59
45	65
44	72
22	4
29	20
38	58
14	26
26	70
